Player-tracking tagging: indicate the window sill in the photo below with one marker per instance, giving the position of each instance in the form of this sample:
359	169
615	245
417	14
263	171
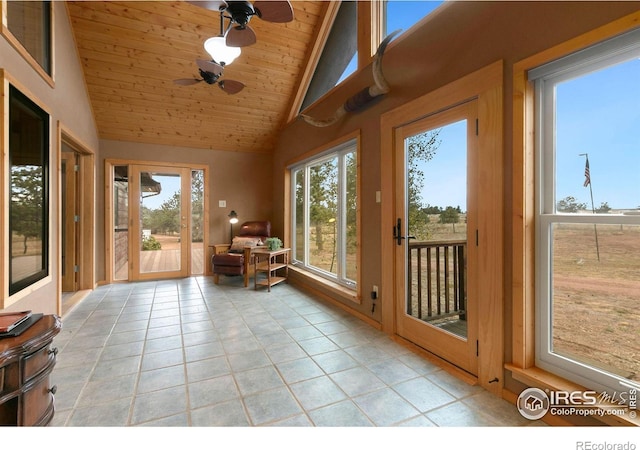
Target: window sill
539	378
318	282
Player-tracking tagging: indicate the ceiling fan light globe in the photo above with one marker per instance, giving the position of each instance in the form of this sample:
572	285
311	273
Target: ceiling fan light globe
220	52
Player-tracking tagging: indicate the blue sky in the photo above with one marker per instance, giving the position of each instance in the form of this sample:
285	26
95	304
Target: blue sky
404	14
170	185
445	175
599	114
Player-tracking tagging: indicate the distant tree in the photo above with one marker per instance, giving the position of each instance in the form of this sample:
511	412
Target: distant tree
432	209
450	215
421	148
165	219
570	204
26	202
352	200
197	205
604	208
323	195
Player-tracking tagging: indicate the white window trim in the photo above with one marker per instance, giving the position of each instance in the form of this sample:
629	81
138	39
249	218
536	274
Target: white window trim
339	151
605	54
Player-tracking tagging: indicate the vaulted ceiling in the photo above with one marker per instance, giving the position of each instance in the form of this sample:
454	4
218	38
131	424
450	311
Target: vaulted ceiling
132	51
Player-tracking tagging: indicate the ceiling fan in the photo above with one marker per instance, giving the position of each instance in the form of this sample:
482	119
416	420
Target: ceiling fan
239	13
211	72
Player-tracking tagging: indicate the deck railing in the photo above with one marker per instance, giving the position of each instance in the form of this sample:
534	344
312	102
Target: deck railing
437	279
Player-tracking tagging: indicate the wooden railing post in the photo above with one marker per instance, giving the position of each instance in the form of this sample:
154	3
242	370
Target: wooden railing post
462	283
444	279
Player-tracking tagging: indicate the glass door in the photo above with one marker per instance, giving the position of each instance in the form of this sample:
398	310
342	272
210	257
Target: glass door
435	234
161	208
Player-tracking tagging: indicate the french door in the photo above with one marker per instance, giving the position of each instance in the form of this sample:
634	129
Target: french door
158	217
435	234
160	222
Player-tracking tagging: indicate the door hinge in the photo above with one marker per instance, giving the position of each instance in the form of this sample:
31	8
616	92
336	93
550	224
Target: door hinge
76	168
477	348
477	128
76	268
76	218
477	238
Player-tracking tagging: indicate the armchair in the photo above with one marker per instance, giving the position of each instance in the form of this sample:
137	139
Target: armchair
236	258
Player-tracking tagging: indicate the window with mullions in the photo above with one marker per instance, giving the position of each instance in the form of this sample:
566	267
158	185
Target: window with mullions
588	215
28	192
324	215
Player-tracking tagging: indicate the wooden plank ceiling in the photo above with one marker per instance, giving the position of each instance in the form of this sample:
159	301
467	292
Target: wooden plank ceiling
132	51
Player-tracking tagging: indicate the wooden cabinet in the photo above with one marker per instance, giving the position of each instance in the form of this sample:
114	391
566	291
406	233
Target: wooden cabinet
275	264
26	363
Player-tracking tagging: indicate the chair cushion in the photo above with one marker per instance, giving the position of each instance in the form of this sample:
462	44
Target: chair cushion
227	259
239	243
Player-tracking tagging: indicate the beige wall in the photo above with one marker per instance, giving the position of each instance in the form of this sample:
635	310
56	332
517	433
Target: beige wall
68	104
243	180
457	40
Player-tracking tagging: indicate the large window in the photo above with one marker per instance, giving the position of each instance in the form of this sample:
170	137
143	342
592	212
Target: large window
588	215
324	210
28	192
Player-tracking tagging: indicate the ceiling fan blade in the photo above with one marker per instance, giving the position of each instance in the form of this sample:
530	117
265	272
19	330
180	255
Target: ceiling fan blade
274	11
213	5
241	37
186	81
231	86
210	66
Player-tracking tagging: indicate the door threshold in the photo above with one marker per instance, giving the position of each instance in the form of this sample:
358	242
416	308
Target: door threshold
445	365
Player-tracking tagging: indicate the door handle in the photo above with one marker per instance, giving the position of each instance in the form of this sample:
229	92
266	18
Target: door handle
397	232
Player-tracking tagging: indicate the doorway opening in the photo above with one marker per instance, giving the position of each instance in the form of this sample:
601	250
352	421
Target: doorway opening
157	217
76	187
436	213
447	255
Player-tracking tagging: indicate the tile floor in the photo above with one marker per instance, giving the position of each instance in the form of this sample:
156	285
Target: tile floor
190	353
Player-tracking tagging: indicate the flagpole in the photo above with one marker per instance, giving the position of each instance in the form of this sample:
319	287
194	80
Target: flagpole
587	181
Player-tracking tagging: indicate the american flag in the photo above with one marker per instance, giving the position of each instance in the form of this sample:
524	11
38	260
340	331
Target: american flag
587	176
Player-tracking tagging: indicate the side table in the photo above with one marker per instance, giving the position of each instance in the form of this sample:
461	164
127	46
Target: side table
270	262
